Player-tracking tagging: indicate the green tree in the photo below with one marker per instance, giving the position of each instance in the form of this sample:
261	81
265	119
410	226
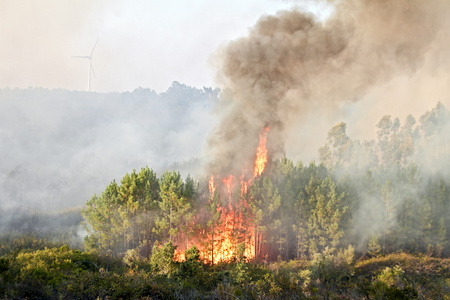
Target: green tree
191	267
337	149
289	179
161	260
138	193
174	206
387	131
389	215
264	203
434	220
123	216
104	221
373	247
395	142
326	221
190	194
431	123
407	192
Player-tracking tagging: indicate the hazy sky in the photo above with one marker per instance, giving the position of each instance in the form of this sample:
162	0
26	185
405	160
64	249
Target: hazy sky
146	43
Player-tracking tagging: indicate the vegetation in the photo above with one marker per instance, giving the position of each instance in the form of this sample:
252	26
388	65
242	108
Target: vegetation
55	273
370	195
370	221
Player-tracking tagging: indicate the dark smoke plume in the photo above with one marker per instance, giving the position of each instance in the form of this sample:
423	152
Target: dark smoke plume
292	63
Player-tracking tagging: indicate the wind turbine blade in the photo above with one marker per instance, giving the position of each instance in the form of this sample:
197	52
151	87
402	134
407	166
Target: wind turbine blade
92	69
88	57
94	47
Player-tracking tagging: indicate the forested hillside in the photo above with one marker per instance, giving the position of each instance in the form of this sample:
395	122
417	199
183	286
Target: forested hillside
59	147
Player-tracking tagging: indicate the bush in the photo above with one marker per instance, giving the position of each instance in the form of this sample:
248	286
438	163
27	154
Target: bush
329	273
161	261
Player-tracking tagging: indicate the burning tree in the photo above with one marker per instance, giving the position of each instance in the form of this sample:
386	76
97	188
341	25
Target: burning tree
232	216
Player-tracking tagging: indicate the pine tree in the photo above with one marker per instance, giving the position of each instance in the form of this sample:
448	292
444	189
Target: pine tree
103	221
433	213
287	178
389	215
374	247
264	204
123	216
190	190
174	206
338	146
325	222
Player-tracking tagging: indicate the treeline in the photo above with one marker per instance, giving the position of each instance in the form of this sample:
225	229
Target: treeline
399	182
372	195
139	211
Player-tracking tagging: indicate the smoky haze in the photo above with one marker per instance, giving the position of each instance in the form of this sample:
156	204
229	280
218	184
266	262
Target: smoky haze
293	68
59	147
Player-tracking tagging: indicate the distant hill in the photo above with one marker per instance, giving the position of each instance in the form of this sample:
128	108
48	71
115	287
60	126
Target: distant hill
59	147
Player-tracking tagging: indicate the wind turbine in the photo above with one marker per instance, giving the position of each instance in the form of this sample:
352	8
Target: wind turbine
91	69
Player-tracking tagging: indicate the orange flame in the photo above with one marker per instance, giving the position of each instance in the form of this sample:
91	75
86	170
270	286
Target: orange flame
212	187
244	185
261	153
235	224
228	181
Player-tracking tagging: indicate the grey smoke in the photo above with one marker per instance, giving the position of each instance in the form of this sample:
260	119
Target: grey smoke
292	66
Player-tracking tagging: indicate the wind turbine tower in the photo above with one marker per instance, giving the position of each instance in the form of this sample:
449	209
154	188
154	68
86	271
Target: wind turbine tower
91	69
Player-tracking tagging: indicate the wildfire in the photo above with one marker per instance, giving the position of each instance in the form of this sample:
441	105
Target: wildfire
244	185
234	231
228	182
261	153
212	187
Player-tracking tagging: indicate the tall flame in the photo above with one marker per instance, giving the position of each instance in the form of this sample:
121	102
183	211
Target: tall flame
261	153
228	181
212	187
234	226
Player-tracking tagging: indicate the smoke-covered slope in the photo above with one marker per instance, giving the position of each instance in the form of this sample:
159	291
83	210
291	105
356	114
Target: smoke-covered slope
59	147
